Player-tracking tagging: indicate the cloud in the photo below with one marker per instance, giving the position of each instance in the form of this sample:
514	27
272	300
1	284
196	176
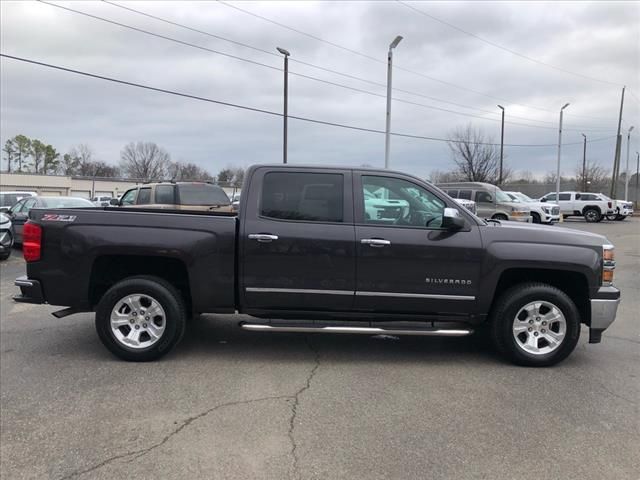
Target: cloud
597	39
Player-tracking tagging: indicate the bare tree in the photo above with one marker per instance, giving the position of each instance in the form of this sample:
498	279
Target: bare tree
182	171
144	161
594	178
438	176
476	157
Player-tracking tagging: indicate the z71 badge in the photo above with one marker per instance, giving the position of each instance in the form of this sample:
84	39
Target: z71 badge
50	217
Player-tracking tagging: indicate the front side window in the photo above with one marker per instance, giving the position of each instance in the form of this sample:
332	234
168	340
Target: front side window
565	196
129	198
144	196
550	197
314	197
17	207
394	201
28	205
484	197
165	194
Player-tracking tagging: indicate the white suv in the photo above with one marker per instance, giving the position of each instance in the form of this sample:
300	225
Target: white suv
592	206
541	212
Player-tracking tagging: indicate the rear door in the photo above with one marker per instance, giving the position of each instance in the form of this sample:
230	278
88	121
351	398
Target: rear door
409	264
297	240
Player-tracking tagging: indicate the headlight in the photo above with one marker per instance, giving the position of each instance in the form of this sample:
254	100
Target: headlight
608	264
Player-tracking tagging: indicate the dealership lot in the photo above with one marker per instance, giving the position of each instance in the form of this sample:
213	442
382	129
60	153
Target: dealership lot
233	404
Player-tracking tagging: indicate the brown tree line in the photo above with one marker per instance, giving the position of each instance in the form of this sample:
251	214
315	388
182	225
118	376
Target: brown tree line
144	161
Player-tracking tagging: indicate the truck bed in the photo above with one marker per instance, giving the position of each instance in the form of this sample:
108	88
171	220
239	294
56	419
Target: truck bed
199	248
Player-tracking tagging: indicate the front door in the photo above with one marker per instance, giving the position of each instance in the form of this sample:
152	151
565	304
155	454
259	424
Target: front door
406	261
297	241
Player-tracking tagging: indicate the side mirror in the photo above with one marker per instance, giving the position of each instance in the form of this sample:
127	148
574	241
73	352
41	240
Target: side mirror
543	199
4	209
452	220
114	201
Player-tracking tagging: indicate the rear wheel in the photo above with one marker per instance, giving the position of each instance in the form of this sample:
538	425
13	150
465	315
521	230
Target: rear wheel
141	318
592	215
535	325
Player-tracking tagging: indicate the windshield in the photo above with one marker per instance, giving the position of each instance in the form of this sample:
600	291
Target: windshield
202	194
503	197
519	196
52	202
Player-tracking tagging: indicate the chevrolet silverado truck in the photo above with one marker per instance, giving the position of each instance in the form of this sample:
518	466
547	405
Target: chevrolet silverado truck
303	256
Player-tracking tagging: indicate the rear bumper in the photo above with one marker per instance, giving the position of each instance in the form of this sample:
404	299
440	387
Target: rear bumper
30	291
603	311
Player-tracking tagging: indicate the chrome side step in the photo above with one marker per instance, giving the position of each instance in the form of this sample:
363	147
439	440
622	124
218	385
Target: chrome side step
436	332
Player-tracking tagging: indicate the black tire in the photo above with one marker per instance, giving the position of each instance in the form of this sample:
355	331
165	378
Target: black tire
620	218
535	217
161	291
503	315
592	215
4	256
500	216
611	217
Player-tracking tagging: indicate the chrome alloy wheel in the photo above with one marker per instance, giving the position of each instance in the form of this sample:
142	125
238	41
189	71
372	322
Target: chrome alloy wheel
138	321
539	328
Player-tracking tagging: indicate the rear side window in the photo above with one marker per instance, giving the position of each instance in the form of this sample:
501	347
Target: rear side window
144	196
165	194
465	194
565	196
314	197
202	194
453	193
586	196
483	197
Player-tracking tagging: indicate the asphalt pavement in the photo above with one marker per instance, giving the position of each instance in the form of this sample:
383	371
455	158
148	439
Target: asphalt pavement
230	404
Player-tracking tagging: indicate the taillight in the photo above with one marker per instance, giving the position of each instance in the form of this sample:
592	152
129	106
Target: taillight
610	204
31	241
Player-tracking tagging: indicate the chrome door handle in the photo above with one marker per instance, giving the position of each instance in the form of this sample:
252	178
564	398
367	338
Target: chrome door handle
263	237
375	242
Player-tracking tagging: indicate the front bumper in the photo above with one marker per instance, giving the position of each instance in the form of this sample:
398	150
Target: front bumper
603	311
627	212
30	291
548	218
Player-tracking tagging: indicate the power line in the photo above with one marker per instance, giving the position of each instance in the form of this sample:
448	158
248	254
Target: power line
346	75
253	62
264	111
398	67
501	47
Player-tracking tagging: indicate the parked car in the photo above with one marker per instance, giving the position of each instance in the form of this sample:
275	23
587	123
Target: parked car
592	206
235	202
9	199
176	196
19	213
541	212
302	256
621	210
491	202
380	208
6	237
468	204
102	201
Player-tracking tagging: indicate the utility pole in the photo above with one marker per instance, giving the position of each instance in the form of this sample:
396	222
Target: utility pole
501	146
584	164
626	170
616	159
387	145
286	101
637	175
559	155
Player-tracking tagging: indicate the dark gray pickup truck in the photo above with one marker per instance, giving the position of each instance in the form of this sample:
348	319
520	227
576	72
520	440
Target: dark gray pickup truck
335	250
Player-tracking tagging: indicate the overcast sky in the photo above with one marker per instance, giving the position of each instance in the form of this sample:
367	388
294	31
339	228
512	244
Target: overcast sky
437	65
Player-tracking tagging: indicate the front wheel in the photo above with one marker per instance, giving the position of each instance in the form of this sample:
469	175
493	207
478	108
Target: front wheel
535	325
612	216
500	216
535	217
141	318
620	218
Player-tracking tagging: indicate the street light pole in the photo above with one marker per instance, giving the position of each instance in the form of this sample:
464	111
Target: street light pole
626	171
584	164
501	146
286	101
559	155
393	45
637	175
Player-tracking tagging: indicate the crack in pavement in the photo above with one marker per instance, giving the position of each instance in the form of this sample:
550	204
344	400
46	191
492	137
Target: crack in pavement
139	453
294	409
135	454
